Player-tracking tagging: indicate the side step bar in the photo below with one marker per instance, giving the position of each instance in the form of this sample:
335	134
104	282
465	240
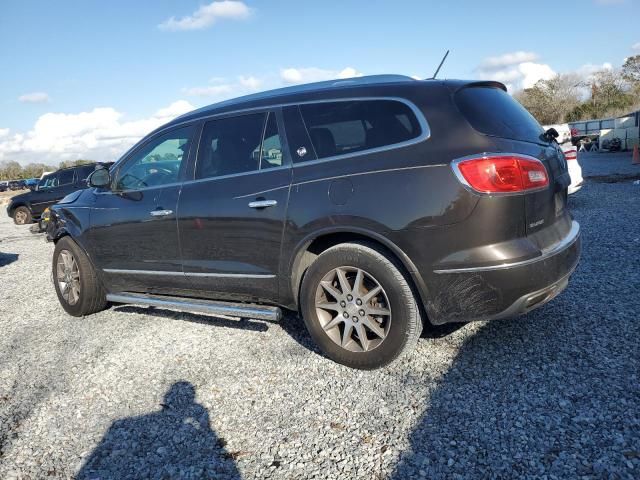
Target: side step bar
259	312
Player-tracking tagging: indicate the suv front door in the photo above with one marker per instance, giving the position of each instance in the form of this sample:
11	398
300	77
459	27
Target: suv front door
231	216
133	231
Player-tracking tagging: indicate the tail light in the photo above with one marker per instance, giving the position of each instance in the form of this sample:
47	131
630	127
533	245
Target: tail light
571	154
502	173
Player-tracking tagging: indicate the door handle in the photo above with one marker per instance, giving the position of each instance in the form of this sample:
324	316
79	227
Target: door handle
160	213
263	203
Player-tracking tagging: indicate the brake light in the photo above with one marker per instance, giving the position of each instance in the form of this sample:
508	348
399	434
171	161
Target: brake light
503	173
571	154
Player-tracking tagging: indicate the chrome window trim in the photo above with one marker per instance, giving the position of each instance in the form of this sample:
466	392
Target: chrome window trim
214	116
468	187
566	242
188	274
425	131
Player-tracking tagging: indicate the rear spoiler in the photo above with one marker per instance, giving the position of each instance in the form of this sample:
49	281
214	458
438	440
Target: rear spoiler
482	83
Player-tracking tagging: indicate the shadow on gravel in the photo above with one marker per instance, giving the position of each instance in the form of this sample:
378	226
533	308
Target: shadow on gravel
175	442
7	258
242	324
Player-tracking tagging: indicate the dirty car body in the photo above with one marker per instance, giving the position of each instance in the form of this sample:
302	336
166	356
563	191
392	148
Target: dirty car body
250	235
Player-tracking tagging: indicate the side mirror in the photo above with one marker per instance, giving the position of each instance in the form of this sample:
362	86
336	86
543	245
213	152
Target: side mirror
99	178
551	134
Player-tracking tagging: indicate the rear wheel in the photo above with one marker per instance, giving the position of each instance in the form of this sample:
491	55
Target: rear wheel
358	306
79	289
21	216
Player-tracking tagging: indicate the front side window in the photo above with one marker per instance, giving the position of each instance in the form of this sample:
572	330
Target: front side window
239	144
156	163
339	128
50	181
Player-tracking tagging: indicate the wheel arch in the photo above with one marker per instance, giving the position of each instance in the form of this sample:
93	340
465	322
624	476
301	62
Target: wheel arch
14	207
314	244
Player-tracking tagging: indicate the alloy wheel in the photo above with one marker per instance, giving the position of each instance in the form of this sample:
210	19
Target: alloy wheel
21	217
353	309
68	277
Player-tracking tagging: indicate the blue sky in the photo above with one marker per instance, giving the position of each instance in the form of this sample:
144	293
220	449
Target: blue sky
136	68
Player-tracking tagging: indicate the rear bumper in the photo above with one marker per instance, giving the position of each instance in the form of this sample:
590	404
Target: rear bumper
504	290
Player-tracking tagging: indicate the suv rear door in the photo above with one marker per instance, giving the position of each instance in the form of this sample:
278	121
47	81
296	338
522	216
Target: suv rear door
231	216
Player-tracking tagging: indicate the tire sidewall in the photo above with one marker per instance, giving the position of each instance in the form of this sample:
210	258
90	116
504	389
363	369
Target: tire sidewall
27	213
66	244
382	270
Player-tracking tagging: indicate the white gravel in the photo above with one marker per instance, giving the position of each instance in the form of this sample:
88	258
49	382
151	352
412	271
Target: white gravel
553	394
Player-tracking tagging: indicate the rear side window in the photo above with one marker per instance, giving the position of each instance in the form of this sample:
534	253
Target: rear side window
230	145
339	128
65	177
492	111
84	172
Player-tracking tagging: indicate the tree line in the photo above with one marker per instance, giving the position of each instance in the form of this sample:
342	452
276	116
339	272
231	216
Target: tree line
11	170
570	98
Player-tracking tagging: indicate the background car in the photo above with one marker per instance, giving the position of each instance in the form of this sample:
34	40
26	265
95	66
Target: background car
51	188
16	185
570	154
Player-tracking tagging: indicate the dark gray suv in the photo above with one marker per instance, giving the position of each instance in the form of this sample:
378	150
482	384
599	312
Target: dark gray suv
369	205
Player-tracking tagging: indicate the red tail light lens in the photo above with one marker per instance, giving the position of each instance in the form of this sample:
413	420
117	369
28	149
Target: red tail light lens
503	173
571	154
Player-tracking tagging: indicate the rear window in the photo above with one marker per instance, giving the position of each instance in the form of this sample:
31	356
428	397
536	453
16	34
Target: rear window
492	111
339	128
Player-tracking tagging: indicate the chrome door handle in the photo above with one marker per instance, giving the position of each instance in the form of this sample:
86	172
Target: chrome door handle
160	213
263	203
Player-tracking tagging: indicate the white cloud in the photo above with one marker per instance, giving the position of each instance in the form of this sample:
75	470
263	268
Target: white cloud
636	47
221	88
34	97
4	132
100	134
207	15
508	59
587	70
313	74
250	82
517	70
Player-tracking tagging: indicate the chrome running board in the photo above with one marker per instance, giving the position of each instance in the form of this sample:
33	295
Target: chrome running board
259	312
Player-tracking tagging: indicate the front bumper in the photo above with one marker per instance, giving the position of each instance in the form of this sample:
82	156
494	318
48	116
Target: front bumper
505	290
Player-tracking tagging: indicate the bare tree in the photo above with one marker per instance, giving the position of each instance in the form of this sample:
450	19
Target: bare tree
551	100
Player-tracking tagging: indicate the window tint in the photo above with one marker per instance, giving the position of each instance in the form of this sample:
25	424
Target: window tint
493	111
230	145
49	181
65	177
84	172
299	142
157	163
338	128
271	147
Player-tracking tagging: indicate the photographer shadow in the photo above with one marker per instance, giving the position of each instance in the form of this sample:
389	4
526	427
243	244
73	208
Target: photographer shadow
175	442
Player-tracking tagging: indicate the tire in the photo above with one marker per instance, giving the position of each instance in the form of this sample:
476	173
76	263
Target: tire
90	296
22	216
395	332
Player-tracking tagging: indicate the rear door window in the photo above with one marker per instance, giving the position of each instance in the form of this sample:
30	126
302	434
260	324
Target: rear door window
345	127
494	112
65	177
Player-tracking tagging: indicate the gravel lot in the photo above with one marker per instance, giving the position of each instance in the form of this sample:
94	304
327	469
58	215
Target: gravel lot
142	393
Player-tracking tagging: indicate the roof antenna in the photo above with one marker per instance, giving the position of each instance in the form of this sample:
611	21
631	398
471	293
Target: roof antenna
439	66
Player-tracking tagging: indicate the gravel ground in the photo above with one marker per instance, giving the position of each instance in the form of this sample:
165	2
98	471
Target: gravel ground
139	393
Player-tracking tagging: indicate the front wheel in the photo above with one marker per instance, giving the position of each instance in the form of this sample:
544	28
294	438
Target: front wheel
22	216
358	306
79	289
